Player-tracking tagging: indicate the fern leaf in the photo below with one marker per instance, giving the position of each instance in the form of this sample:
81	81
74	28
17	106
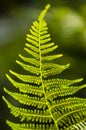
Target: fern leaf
45	101
26	78
61	82
32	47
81	125
48	50
45	46
59	92
32	42
29	126
28	114
29	68
27	100
30	60
34	54
52	69
52	57
33	37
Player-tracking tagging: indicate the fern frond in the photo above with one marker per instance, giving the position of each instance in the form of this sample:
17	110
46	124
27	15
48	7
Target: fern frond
45	46
80	125
32	53
29	68
28	100
46	102
72	116
30	60
26	78
29	126
32	47
34	115
52	57
48	49
52	69
26	88
61	82
56	92
69	102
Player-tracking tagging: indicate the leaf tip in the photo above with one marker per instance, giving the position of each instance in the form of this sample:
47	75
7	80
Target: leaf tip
43	13
47	6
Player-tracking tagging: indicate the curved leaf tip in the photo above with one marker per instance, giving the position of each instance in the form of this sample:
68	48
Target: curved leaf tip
43	13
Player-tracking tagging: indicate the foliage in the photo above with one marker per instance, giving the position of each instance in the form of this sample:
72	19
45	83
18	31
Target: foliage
47	102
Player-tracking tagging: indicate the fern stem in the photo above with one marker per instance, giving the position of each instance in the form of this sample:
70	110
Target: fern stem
40	23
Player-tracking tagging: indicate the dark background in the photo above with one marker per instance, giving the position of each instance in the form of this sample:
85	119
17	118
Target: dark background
67	25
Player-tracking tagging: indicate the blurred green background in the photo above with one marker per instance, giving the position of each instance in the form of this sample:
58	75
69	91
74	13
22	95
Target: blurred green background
67	25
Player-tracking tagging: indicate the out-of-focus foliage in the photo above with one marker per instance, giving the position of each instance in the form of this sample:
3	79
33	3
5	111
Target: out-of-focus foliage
67	24
70	28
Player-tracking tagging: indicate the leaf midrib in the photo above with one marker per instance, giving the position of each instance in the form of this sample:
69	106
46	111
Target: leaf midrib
40	23
69	113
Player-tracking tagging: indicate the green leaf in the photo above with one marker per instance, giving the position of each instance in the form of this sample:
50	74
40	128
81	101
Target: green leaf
46	102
